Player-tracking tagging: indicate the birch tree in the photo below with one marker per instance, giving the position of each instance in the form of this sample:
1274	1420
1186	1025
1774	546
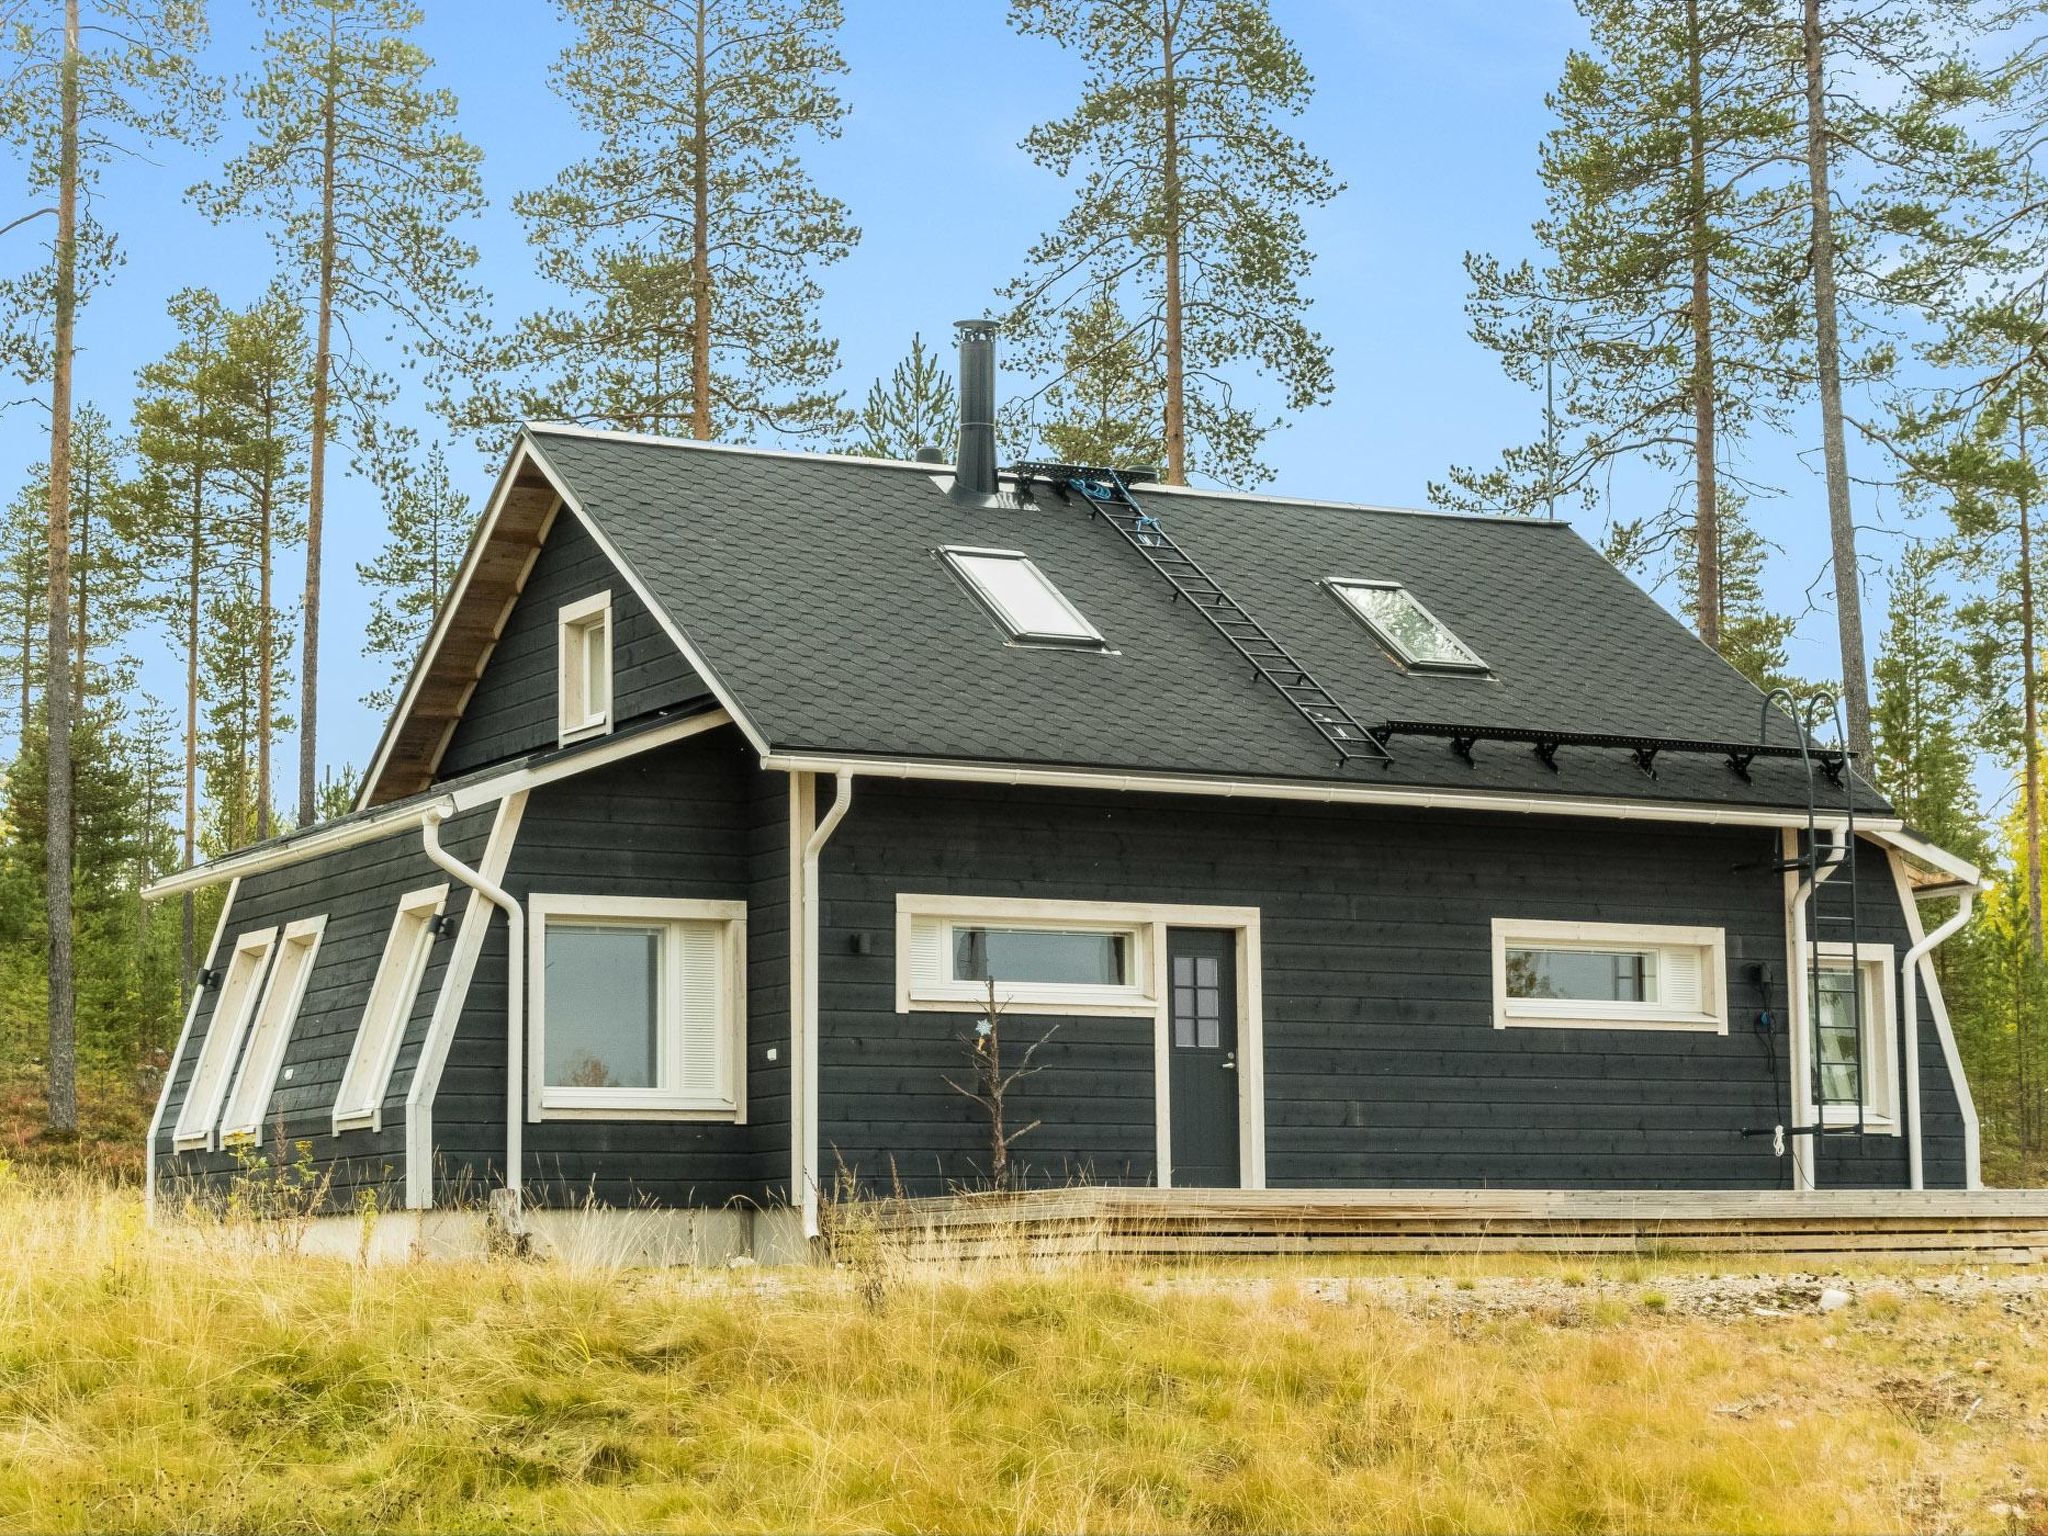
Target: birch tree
364	183
688	243
1187	210
1659	313
84	83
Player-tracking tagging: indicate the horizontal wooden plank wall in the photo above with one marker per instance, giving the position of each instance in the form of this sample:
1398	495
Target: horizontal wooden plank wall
1984	1225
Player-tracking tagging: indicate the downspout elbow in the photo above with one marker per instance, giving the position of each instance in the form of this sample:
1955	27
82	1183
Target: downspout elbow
515	978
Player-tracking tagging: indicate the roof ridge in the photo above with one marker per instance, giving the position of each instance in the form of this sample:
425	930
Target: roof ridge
752	450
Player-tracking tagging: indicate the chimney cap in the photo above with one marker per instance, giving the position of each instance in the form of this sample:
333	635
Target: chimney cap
983	329
929	453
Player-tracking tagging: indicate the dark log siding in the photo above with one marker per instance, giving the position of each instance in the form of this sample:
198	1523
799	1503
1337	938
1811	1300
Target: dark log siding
513	708
1383	1067
358	889
679	821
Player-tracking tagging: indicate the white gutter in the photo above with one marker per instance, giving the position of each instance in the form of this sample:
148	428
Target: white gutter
1317	793
842	800
400	818
1909	976
515	976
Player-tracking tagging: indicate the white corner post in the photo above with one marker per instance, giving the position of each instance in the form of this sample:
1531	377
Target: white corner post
1909	977
515	976
804	1102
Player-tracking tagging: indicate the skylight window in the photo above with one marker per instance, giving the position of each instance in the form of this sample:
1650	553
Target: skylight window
1417	637
1020	596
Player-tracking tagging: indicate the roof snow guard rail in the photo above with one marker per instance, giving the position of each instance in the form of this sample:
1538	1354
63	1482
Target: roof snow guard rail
1108	494
1645	749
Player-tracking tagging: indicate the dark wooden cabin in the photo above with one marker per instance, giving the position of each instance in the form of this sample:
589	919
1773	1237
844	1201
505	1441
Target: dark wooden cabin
1321	846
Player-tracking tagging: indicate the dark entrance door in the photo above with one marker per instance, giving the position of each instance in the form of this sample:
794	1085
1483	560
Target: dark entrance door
1201	974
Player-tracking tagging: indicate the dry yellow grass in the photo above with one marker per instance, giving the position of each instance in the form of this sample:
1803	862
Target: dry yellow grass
145	1384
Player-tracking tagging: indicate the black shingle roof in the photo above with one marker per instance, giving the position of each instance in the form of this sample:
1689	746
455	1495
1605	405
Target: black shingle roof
809	585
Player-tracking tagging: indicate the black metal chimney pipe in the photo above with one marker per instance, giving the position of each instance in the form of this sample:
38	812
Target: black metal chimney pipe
974	477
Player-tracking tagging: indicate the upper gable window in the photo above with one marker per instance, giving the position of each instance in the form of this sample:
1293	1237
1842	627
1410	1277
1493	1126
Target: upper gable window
585	644
1417	637
1022	598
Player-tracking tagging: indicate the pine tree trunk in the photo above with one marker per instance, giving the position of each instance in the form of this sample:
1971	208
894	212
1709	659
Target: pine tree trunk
63	1062
1707	515
195	568
700	244
266	643
2030	703
1169	187
1828	365
316	496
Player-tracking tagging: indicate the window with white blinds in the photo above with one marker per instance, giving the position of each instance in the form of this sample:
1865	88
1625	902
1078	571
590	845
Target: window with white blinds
636	1007
1608	976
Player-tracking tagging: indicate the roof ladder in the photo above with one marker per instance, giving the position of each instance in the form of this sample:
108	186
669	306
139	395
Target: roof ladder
1110	499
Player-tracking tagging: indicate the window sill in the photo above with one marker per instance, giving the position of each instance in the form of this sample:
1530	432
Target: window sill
1079	1003
200	1143
371	1121
565	733
700	1112
1700	1025
1883	1125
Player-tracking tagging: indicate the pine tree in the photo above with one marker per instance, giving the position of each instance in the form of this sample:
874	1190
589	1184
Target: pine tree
1659	311
185	436
267	370
688	241
1188	213
914	407
364	183
1753	638
428	527
1104	406
24	597
79	94
231	690
1924	761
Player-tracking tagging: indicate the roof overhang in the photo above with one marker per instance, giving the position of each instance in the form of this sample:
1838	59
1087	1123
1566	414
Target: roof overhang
466	795
1324	793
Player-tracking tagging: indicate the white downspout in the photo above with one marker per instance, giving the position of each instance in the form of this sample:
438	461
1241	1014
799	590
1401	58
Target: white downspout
842	800
515	987
1909	976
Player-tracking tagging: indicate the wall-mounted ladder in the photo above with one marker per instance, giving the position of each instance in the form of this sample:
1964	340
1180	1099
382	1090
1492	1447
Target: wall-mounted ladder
1110	499
1837	1060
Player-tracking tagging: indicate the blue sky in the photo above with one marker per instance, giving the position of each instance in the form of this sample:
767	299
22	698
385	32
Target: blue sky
1431	113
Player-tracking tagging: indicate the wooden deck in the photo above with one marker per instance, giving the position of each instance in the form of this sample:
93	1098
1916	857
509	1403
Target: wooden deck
1983	1226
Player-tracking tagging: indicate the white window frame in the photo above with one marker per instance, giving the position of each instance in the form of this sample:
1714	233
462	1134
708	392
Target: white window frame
660	1103
1341	587
241	988
580	628
408	950
1575	1013
276	1016
925	926
1876	969
1088	638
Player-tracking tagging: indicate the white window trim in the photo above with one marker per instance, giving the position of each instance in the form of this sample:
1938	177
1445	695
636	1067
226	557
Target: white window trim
1137	996
573	624
1153	919
1545	1013
1340	588
1876	965
208	1090
1090	639
546	1103
270	1036
432	900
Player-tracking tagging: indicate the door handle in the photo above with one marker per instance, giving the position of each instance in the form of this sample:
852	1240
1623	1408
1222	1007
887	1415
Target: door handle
1230	1062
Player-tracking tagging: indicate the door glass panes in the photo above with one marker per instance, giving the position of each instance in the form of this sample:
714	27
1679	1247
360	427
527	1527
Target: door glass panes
1835	1026
603	1005
1046	955
1197	1002
1583	975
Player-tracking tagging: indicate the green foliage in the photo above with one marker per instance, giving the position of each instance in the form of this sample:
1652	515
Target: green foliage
914	406
1925	753
688	240
1186	214
1104	408
428	525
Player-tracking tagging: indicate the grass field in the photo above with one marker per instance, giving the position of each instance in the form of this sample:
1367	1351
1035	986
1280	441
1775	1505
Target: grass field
185	1379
